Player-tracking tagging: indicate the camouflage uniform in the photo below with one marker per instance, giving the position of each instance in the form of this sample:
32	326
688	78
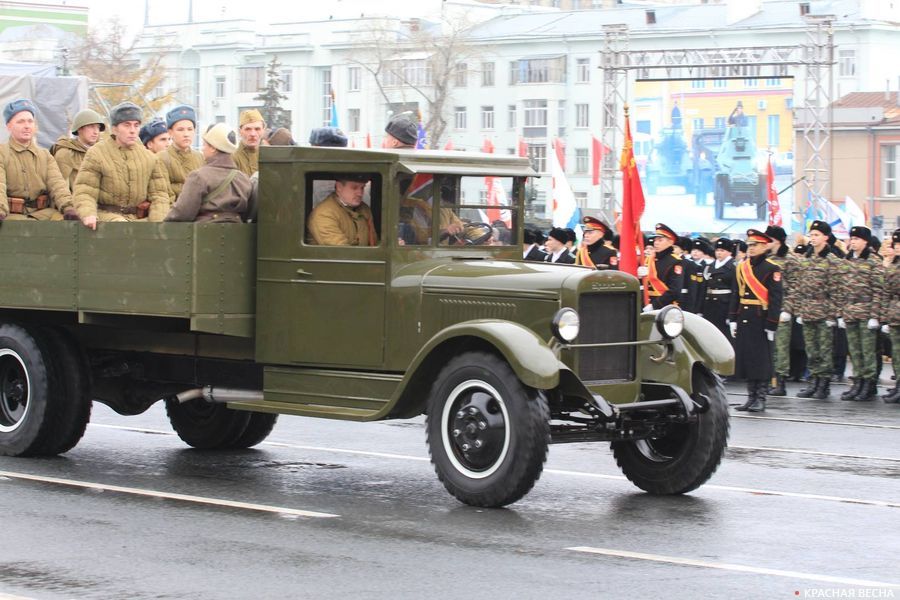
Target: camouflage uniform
864	288
247	159
890	310
819	295
28	172
790	267
179	164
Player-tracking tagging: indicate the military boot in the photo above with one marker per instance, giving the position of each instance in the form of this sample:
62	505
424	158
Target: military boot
778	389
760	404
854	389
893	396
751	395
823	391
810	390
866	391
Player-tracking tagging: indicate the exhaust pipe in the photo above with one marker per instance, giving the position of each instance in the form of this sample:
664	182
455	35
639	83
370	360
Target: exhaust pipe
219	395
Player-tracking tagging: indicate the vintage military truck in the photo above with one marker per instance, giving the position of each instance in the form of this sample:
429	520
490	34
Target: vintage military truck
738	180
232	325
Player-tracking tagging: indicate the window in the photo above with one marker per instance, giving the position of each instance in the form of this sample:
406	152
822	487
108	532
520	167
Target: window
561	118
774	123
537	153
773	82
407	72
720	122
251	79
583	70
643	126
582	115
697	124
581	199
353	119
220	86
698	83
487	74
326	97
511	116
287	81
462	75
487	117
320	184
751	82
535	118
353	79
459	120
720	83
538	70
581	161
846	63
889	168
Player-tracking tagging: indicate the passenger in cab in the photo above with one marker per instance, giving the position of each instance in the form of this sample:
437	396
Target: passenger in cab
180	158
70	151
155	137
217	191
31	186
343	219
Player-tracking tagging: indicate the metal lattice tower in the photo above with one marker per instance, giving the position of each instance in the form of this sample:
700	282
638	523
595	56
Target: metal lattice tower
615	85
817	97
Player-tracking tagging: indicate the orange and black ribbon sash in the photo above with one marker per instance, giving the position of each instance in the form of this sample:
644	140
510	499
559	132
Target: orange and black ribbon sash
658	287
747	278
583	257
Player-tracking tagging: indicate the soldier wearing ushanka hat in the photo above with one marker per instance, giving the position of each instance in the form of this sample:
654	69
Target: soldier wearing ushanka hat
593	251
556	247
720	286
820	294
401	131
890	312
180	158
789	263
662	271
755	307
689	299
155	136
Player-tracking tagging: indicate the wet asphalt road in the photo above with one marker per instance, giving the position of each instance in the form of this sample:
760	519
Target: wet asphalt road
806	503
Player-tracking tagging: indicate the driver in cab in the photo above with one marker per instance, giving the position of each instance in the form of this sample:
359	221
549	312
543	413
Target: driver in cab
342	218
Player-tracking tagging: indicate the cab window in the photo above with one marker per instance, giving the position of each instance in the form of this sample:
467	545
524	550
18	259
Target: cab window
362	189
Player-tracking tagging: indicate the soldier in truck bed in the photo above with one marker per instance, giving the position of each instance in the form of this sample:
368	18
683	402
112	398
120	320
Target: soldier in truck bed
69	151
31	186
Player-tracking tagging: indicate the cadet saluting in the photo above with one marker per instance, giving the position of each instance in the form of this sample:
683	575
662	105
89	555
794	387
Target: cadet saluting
755	307
662	272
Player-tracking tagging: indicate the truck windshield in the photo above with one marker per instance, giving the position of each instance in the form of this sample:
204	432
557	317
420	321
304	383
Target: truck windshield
473	211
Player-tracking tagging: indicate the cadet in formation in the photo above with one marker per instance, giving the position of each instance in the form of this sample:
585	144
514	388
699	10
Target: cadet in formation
863	282
119	179
788	262
662	271
69	151
556	247
819	295
155	137
530	249
719	289
180	158
755	307
31	186
217	191
343	219
593	250
689	300
890	314
251	127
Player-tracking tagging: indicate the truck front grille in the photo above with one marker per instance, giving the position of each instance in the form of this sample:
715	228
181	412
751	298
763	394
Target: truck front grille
606	318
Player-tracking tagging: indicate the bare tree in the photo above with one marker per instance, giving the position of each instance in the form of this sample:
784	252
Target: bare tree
106	56
421	62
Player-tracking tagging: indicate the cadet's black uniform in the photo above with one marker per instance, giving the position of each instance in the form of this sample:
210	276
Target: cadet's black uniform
536	254
670	271
603	257
719	292
689	280
564	259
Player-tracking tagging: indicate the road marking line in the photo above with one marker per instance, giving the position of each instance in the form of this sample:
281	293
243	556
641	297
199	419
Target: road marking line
817	422
169	496
690	562
815	453
754	491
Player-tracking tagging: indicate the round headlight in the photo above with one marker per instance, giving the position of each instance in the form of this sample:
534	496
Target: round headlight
565	324
670	322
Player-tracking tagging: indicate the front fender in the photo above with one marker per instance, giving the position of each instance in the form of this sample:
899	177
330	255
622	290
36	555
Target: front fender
529	356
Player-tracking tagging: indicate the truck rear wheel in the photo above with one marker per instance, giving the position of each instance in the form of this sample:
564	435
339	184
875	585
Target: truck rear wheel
75	392
487	432
206	425
30	395
258	429
687	456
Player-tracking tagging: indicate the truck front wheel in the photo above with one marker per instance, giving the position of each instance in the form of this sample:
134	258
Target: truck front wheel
487	431
687	456
206	425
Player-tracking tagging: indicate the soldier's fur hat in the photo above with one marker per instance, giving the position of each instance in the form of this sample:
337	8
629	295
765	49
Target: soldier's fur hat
126	111
895	239
328	136
685	243
251	115
572	236
17	106
181	113
739	246
528	236
87	117
281	137
220	137
820	226
703	245
777	233
559	235
403	128
863	233
151	129
724	244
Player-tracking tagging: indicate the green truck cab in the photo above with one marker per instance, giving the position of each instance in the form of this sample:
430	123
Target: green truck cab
232	325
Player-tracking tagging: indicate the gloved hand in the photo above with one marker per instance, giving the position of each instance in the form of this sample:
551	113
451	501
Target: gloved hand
642	271
70	214
841	323
830	323
733	328
885	328
872	324
647	308
784	317
2	217
770	335
799	321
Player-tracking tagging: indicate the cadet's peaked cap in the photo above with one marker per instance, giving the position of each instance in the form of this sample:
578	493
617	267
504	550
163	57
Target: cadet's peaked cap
559	234
663	230
251	115
220	137
181	113
725	244
895	239
87	117
126	111
776	233
758	237
151	129
863	233
595	224
820	226
331	137
17	106
403	128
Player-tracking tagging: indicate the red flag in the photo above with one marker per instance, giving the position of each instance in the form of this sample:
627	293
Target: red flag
598	151
368	140
448	145
632	207
493	214
560	146
774	207
523	148
488	146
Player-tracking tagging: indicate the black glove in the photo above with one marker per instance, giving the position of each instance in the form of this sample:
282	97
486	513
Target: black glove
70	214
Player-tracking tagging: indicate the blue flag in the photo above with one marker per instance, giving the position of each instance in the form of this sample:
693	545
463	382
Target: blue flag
334	118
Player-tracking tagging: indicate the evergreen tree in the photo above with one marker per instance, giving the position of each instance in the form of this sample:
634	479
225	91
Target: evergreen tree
271	98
